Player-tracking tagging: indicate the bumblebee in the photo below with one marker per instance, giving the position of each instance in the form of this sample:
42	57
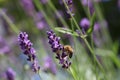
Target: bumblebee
68	50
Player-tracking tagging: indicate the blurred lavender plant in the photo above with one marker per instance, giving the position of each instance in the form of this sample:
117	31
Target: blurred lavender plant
28	50
37	16
49	65
85	23
4	48
44	1
10	74
70	11
70	6
28	7
54	41
89	4
39	20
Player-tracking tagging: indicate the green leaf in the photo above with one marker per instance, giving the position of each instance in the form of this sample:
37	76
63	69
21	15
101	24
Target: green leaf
67	31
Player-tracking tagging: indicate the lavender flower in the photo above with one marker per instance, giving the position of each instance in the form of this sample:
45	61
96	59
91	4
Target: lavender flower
28	6
4	48
54	41
96	26
35	66
89	4
71	8
26	46
49	65
84	2
91	8
85	23
39	20
44	1
64	60
37	16
10	74
28	50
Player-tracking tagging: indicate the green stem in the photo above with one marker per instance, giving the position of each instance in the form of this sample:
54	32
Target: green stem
94	56
92	45
58	14
72	27
72	17
39	75
40	7
85	40
73	73
13	27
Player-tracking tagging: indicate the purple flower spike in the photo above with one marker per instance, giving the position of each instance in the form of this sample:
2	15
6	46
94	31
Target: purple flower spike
66	64
10	74
61	54
85	23
71	8
28	50
69	2
26	45
54	41
35	66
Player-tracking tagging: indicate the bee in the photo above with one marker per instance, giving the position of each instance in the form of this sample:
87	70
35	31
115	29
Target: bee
68	50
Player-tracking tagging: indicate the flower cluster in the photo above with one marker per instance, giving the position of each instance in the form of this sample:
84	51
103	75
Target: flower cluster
85	23
10	74
70	6
61	54
28	50
54	41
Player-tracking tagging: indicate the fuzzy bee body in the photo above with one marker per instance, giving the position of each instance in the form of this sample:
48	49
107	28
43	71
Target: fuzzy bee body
69	51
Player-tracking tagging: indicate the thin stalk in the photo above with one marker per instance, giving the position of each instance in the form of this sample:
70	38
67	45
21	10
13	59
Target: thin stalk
13	27
72	26
85	40
58	14
73	73
99	65
40	7
92	45
39	75
72	17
